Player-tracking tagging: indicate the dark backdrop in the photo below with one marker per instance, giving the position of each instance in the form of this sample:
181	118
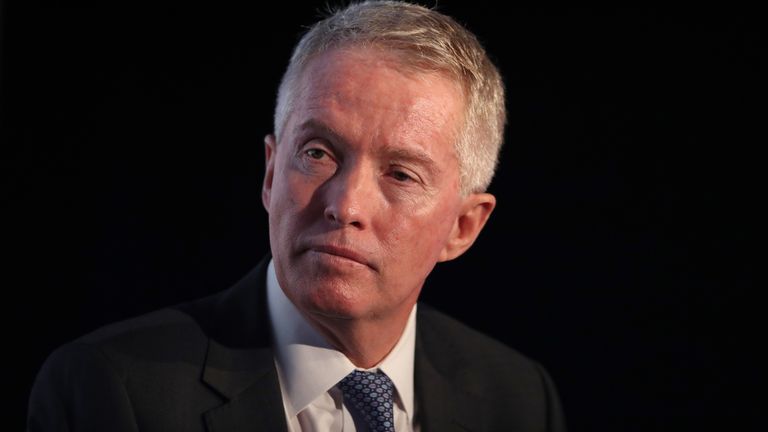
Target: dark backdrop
621	254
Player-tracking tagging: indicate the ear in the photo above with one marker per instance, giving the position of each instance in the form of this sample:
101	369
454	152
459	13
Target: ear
269	159
474	213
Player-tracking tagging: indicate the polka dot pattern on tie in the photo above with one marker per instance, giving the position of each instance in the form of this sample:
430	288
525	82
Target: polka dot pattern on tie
370	393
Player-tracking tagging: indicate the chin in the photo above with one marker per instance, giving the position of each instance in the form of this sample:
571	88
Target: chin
337	300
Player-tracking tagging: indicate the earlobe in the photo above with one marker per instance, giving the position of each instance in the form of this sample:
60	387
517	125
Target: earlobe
269	160
475	211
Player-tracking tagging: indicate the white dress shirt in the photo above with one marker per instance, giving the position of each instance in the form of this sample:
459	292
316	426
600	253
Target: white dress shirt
309	369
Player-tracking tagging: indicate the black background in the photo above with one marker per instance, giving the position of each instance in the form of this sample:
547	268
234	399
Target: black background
621	254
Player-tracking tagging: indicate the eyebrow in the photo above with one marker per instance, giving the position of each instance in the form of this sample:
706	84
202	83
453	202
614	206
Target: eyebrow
314	124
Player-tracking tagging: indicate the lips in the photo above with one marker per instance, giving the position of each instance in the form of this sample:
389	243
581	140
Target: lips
342	252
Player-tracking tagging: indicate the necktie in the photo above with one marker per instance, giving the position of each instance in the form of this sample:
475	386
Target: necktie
370	394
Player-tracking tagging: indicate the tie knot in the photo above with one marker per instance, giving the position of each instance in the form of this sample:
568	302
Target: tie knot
370	394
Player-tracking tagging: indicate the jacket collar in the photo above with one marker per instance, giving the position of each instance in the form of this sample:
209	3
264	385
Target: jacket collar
239	364
442	404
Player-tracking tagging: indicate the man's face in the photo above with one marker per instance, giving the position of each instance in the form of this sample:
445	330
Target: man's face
362	189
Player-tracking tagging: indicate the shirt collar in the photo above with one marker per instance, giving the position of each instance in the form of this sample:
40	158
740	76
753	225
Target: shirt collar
309	366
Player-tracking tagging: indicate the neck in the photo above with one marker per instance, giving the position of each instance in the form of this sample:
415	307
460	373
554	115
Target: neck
364	342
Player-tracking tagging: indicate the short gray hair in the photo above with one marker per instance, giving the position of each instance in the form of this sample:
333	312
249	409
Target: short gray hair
426	40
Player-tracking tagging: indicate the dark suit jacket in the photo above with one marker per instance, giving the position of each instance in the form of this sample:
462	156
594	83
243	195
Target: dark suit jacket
208	365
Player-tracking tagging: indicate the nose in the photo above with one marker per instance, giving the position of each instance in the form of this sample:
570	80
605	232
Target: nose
350	197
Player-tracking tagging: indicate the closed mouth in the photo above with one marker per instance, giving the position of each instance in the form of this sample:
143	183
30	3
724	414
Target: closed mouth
342	252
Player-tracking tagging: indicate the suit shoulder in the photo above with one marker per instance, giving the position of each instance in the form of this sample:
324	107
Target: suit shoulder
461	350
478	366
115	373
453	333
170	333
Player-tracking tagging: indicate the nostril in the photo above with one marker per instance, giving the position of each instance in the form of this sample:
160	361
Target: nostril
333	215
330	215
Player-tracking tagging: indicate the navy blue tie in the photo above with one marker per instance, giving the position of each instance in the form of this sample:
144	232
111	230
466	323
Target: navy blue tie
370	394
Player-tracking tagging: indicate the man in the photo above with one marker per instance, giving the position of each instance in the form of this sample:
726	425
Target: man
388	124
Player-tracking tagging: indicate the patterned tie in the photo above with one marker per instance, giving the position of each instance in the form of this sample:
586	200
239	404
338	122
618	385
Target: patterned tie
370	393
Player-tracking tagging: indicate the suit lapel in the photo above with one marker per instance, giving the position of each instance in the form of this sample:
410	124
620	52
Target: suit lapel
240	364
442	405
248	380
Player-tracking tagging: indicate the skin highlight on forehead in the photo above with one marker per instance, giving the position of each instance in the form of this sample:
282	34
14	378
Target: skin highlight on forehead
420	111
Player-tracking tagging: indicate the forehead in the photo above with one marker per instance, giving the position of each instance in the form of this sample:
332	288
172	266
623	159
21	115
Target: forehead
369	90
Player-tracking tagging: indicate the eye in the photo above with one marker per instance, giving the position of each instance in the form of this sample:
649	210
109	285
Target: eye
315	153
401	176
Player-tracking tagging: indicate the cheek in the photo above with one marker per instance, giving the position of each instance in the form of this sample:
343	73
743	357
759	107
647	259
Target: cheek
418	237
284	202
290	189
